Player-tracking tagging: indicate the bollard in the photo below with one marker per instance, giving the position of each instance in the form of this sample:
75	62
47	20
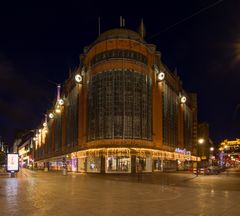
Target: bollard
64	171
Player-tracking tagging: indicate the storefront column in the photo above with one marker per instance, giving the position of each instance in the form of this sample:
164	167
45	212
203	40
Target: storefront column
161	169
103	164
133	163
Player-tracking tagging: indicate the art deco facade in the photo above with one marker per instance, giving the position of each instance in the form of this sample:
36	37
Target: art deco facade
121	111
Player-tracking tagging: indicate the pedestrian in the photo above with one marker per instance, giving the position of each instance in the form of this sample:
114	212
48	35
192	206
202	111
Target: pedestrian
197	171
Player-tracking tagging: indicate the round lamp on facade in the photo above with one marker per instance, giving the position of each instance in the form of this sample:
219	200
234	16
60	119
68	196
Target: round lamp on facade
161	76
61	102
183	99
51	115
201	141
78	78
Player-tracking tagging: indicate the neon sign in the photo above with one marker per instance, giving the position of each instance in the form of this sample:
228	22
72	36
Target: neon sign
182	151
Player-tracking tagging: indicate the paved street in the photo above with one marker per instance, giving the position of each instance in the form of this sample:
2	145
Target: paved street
38	193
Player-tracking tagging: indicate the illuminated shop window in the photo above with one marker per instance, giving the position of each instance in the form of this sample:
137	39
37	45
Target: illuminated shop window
56	164
94	164
118	164
82	164
157	164
144	164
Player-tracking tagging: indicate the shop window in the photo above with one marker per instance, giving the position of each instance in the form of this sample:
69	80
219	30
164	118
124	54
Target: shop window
157	164
82	164
118	164
144	164
94	164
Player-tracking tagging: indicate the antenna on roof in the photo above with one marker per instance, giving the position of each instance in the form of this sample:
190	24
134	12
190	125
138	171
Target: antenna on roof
58	91
99	26
121	21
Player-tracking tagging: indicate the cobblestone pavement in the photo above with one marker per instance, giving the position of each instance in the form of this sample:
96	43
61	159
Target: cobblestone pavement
38	193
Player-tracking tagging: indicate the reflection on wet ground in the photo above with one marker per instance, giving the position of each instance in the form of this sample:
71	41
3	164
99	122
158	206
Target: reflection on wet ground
39	193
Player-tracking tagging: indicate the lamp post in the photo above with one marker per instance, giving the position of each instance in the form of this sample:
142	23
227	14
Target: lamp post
211	155
200	142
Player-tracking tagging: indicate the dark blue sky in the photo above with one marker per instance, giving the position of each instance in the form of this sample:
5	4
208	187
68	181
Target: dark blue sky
40	43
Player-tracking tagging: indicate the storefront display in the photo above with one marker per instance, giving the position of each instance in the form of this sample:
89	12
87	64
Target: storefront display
94	164
82	164
118	164
144	164
157	165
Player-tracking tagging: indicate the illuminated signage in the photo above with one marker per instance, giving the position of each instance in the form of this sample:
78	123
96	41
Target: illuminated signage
12	163
182	151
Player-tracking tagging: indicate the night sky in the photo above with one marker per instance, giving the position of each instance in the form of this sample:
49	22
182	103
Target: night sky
40	43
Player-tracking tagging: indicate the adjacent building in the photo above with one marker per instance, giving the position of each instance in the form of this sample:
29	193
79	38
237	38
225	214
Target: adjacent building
23	145
121	111
229	153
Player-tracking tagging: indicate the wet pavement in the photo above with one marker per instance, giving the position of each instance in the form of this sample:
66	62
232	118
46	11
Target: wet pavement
39	193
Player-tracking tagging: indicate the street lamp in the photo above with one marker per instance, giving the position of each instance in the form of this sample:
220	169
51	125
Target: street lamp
211	155
200	142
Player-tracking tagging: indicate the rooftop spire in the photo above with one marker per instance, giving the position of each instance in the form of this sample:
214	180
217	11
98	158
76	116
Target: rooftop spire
142	30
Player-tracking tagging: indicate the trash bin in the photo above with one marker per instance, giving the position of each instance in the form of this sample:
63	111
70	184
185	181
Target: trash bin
64	171
45	169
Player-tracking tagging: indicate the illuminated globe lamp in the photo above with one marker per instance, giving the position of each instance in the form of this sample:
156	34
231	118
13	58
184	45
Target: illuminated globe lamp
183	99
61	102
51	115
45	129
201	141
161	76
78	78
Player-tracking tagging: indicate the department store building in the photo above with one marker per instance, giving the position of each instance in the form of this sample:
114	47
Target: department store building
121	111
